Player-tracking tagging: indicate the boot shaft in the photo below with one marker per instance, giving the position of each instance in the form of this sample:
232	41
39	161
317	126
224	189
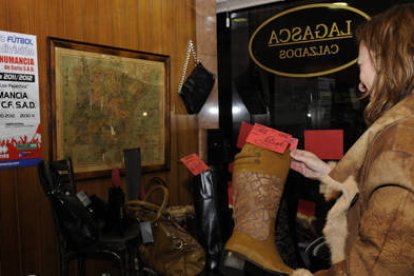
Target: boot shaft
259	177
258	181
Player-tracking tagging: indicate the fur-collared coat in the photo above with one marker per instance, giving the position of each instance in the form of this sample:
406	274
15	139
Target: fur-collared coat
370	229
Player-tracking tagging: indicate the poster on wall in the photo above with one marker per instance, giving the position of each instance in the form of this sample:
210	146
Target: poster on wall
20	139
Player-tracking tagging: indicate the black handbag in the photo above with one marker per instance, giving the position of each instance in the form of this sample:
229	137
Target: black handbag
195	90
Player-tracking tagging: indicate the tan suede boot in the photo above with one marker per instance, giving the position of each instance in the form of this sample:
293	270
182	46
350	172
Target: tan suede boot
259	176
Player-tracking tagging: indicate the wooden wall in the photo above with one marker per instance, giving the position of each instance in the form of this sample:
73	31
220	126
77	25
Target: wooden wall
27	237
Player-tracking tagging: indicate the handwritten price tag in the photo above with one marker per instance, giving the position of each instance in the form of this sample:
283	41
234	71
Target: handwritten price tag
269	138
194	164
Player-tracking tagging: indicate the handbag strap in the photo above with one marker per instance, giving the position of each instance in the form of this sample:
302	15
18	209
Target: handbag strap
190	52
136	205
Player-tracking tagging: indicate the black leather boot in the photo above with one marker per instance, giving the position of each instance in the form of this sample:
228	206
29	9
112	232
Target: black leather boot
206	206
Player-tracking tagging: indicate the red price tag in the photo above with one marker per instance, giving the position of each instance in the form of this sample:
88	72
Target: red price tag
269	138
194	164
293	143
116	177
244	131
327	144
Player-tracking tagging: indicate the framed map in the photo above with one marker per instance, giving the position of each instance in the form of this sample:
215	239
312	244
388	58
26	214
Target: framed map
105	100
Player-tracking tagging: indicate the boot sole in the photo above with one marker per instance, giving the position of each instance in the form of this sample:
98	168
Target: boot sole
233	264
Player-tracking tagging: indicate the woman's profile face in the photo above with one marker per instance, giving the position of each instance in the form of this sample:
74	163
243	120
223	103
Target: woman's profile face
367	71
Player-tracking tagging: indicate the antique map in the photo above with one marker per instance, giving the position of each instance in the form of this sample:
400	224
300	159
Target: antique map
106	104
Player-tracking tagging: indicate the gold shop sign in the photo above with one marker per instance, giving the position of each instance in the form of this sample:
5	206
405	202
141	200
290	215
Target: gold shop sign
307	41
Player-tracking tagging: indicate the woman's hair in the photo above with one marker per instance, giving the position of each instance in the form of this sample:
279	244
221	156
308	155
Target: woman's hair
390	38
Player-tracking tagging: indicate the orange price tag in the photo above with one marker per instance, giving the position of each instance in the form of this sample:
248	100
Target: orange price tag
269	138
194	164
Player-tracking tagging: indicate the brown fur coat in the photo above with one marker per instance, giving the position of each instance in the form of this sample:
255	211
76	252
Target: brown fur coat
370	229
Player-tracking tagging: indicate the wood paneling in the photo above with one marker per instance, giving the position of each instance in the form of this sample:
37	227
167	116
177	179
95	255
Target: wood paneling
27	234
10	256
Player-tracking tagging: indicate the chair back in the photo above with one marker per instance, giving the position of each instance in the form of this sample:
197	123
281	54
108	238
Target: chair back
75	225
57	176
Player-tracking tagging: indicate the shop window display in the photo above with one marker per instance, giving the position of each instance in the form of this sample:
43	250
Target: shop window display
248	93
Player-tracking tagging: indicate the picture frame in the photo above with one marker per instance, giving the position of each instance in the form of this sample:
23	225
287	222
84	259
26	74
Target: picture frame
104	100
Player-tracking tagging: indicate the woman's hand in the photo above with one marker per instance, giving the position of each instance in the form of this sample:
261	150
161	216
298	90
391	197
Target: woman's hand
308	164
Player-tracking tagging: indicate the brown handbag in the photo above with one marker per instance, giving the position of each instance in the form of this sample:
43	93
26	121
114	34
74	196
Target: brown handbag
173	250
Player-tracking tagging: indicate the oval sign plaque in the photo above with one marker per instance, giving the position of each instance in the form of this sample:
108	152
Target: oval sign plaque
307	41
